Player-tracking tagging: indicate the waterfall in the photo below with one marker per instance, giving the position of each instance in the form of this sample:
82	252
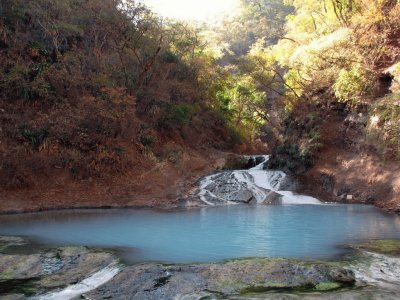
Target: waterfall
255	185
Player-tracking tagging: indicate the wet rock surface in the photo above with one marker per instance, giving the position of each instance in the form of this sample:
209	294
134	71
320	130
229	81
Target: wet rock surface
253	186
28	274
151	281
273	198
364	275
226	187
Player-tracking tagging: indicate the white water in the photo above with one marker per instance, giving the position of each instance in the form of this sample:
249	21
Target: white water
259	181
94	281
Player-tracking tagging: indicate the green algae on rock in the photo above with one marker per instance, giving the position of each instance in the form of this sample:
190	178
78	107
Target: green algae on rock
390	247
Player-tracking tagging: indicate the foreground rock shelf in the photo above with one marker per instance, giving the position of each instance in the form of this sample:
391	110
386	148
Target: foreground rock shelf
32	272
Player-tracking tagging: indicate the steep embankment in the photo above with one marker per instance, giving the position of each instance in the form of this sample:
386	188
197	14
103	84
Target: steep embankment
154	184
348	57
349	169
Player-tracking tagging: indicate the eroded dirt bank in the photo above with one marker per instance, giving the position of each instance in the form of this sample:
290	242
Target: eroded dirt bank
155	184
348	169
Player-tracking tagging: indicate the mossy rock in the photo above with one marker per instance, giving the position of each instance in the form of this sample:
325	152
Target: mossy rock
327	286
277	287
390	247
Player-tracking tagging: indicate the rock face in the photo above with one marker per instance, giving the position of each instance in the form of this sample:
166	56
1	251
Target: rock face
56	273
151	281
41	270
260	160
226	187
251	163
273	198
253	186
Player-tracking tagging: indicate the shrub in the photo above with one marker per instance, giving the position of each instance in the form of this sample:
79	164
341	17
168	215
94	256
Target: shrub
169	57
176	114
351	84
147	140
35	136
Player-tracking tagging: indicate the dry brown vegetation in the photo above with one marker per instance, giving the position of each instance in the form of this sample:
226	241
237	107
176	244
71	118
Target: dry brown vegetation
90	90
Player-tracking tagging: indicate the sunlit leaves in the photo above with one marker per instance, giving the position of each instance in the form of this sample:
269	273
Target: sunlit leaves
350	84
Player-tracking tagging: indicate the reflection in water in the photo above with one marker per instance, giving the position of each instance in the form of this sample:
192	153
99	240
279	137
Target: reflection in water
210	234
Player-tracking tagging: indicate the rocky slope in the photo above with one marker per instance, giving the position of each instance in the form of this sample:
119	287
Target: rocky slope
349	169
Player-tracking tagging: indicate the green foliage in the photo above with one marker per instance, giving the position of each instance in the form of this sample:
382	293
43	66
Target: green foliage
257	19
35	136
147	140
327	286
332	51
40	67
326	49
169	57
350	84
243	106
39	47
177	114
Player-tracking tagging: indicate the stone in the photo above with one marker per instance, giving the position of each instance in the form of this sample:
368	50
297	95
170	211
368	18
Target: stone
251	163
356	119
273	198
221	280
243	195
260	159
328	183
38	270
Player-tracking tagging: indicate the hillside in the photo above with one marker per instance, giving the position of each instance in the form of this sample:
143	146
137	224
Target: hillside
96	94
340	122
104	103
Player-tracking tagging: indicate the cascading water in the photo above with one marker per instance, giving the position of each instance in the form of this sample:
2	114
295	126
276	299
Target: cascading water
255	185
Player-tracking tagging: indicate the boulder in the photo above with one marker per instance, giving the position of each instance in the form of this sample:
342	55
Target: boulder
251	163
273	198
260	159
243	195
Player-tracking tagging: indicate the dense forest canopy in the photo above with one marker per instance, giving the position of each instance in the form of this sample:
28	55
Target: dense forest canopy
90	86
